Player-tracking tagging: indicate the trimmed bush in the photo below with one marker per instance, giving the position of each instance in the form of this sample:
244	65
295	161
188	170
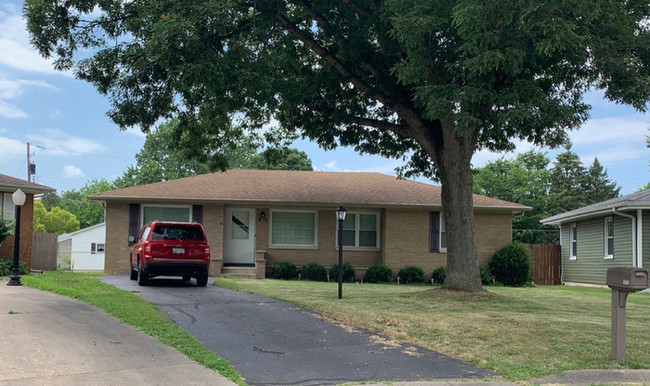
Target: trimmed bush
378	274
348	272
313	272
6	266
439	275
412	275
511	265
486	276
285	270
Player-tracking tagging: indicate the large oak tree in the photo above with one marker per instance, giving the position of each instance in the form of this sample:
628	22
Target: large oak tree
427	81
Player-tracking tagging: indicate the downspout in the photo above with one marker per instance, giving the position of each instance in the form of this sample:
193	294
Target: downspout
634	244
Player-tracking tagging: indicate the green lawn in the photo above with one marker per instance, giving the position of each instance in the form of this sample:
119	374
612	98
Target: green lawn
520	333
132	310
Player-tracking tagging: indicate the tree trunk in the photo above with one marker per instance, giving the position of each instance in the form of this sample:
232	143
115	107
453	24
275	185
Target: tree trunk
454	164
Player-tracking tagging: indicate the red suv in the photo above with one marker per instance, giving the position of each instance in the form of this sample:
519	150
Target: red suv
170	249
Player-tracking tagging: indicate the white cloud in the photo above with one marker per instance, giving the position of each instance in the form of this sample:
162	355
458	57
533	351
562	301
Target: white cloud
56	114
71	171
58	143
8	110
611	129
14	88
11	149
331	165
15	49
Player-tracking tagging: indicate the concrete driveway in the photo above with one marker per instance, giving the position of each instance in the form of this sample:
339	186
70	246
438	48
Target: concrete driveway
272	342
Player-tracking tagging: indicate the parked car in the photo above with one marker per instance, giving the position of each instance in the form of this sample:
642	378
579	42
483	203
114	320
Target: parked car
170	249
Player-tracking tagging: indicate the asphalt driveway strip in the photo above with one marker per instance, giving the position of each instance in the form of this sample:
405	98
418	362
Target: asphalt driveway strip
276	343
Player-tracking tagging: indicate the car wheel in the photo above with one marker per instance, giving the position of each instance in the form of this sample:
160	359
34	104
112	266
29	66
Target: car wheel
202	279
134	273
143	278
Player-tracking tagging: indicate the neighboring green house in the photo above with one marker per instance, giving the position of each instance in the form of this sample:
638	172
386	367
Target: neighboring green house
612	233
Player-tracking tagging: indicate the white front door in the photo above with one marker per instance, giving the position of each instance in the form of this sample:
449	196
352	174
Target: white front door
240	236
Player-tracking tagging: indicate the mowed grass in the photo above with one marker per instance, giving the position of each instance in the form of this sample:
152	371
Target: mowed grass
132	310
520	333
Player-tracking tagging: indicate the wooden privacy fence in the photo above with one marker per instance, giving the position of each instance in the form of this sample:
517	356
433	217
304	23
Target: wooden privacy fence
44	251
546	267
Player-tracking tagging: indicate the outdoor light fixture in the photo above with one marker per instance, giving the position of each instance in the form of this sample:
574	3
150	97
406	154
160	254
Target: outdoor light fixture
262	216
19	200
340	216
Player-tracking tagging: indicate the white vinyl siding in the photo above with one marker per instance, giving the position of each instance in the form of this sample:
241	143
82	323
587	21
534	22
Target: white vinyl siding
293	228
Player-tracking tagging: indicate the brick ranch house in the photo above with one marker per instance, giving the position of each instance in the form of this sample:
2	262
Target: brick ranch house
8	185
255	218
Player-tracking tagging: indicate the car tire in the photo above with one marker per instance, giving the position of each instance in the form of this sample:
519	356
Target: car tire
143	277
134	273
202	279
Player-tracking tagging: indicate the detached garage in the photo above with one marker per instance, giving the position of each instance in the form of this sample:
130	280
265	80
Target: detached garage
84	249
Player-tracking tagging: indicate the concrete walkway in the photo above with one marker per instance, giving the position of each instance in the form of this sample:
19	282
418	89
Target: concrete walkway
47	339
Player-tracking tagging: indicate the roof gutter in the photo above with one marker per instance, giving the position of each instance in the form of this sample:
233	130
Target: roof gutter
634	235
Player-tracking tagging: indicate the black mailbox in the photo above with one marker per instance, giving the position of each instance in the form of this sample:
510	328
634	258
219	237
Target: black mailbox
629	279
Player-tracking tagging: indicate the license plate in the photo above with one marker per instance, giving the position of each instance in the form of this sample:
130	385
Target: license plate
178	251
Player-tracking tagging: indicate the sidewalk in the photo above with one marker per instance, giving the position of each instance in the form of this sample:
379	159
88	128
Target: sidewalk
48	339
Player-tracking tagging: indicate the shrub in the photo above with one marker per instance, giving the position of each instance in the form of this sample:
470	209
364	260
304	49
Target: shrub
348	272
284	270
314	272
486	276
6	227
511	265
378	274
439	275
412	275
6	266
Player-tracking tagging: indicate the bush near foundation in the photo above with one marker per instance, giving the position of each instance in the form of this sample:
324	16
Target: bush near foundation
6	266
285	270
439	275
412	275
511	265
378	274
313	272
348	272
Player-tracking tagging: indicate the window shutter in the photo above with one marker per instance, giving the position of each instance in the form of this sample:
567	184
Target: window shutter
134	221
197	213
434	231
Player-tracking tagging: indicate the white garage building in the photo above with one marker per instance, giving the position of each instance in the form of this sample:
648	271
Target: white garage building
84	249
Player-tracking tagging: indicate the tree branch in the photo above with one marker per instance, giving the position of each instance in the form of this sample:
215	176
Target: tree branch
401	130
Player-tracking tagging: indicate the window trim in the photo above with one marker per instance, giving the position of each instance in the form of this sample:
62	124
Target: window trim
293	246
357	229
608	220
144	206
573	238
435	245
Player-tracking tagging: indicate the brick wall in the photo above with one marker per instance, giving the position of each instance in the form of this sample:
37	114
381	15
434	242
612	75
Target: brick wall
26	230
117	239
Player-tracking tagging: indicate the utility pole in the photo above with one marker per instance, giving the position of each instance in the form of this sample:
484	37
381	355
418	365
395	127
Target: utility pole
29	165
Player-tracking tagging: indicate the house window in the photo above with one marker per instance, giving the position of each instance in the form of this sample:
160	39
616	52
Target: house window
93	248
609	238
437	232
360	230
293	228
7	206
165	213
101	248
573	230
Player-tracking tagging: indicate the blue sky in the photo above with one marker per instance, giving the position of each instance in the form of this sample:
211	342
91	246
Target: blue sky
74	141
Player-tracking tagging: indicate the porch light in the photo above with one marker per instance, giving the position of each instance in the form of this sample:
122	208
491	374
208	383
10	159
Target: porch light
340	216
19	200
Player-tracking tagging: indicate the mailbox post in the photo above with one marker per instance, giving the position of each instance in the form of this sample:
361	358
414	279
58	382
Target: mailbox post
622	281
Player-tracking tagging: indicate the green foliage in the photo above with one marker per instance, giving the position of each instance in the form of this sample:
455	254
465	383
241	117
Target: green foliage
486	276
438	275
511	265
76	202
378	274
6	267
6	228
313	272
412	275
285	270
57	220
348	272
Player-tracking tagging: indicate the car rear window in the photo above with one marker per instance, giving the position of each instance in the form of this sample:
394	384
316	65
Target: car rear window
177	232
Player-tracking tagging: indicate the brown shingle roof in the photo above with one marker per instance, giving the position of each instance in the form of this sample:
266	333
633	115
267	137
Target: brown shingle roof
295	187
11	184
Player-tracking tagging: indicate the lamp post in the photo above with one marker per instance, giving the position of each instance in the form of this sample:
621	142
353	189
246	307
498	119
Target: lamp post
19	200
340	215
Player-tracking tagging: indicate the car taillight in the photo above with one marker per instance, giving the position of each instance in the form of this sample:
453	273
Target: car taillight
147	248
207	251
